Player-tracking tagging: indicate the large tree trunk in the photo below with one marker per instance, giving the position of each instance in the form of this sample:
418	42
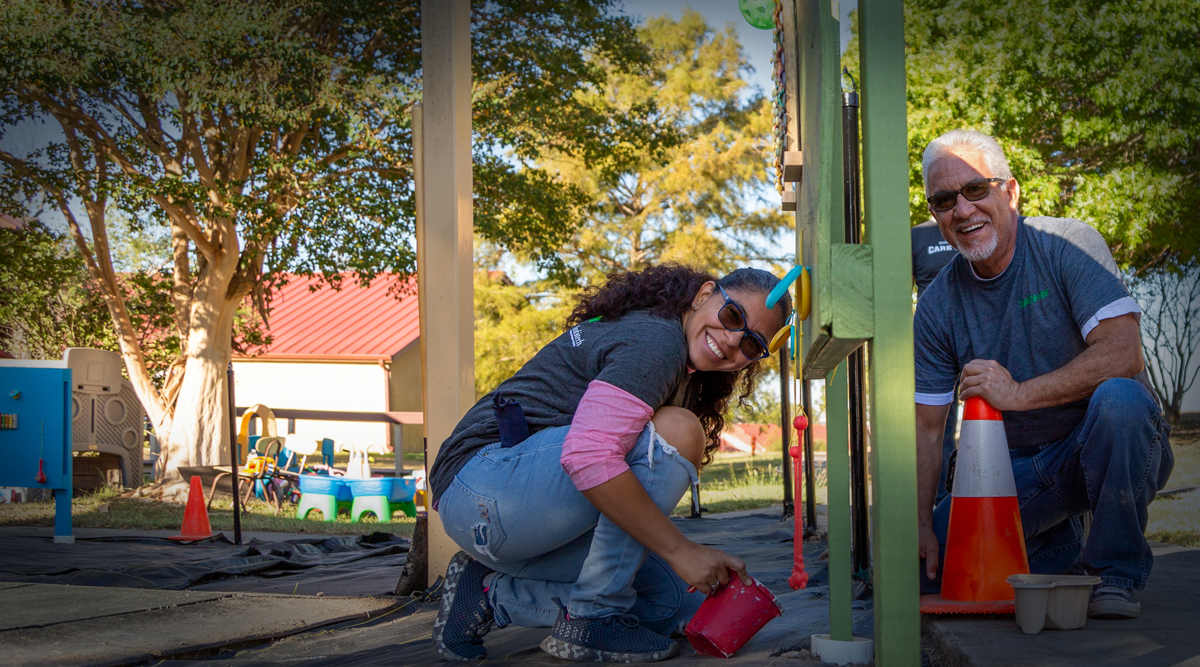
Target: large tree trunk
199	428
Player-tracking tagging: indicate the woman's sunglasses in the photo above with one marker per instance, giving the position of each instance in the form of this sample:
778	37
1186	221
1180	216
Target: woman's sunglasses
973	191
733	318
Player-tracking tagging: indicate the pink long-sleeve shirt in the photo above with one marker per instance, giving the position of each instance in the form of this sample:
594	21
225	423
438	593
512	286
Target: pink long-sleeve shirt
603	431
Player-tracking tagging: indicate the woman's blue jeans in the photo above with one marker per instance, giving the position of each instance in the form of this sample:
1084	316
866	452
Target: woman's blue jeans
517	512
1111	465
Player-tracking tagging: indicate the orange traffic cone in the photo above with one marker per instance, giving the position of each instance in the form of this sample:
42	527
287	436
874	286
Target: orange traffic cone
985	543
195	516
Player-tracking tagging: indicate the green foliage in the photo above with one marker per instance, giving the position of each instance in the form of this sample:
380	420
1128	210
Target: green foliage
260	140
512	322
46	302
695	197
1094	102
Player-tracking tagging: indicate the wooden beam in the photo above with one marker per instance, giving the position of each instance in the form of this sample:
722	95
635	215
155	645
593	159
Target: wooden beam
793	166
389	417
444	267
893	456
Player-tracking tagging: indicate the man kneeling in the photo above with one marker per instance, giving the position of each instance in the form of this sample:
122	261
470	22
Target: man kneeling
1033	317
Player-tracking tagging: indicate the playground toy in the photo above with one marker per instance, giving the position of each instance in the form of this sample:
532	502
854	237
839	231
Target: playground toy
35	433
107	416
265	415
799	578
382	496
324	493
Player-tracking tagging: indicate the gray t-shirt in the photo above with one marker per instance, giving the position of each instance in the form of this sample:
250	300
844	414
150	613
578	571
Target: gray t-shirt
930	253
1032	319
639	353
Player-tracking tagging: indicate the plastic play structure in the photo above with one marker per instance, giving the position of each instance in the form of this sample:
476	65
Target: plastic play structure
35	433
852	237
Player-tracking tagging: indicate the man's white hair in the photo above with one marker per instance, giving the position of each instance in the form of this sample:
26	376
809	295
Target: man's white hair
958	141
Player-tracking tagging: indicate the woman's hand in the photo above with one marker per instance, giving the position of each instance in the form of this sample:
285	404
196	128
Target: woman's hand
705	568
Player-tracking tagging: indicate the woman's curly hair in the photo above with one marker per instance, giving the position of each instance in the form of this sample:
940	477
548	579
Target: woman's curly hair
667	291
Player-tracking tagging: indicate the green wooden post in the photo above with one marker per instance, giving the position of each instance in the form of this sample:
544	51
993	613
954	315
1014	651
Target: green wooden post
837	469
893	424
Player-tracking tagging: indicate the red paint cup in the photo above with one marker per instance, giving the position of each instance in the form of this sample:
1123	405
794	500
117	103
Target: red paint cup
730	616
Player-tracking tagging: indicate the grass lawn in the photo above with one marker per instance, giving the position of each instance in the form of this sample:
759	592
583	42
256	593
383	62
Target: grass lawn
1176	518
735	482
730	483
103	510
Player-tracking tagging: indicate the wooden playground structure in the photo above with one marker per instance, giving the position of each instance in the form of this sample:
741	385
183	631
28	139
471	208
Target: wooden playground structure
860	282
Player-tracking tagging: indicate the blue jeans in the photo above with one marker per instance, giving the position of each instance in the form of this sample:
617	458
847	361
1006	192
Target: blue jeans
1111	465
517	512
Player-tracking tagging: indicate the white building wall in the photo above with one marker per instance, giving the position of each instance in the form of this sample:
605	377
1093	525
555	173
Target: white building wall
1191	399
317	386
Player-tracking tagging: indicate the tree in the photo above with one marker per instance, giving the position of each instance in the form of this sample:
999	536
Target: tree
46	303
691	197
1094	102
274	137
698	198
513	322
1169	295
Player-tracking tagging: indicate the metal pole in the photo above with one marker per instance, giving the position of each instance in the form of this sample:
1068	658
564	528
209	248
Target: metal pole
785	424
810	474
234	457
858	450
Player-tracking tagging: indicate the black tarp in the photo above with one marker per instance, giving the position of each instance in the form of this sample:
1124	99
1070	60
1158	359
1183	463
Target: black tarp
213	564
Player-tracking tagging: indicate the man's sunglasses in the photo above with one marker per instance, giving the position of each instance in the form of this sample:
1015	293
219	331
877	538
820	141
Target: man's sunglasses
733	318
973	191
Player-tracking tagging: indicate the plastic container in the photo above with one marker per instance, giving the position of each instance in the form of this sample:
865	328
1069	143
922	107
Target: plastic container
730	616
403	489
1055	601
326	485
374	486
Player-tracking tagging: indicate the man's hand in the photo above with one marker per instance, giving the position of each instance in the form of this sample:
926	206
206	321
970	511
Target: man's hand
705	568
992	382
928	549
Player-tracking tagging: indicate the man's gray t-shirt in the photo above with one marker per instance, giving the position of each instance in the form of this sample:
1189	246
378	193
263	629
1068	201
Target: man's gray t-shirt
640	353
1032	319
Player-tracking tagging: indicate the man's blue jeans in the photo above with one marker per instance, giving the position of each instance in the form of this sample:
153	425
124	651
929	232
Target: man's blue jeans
517	512
1111	465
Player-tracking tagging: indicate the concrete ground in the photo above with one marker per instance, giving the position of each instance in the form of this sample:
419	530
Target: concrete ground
90	625
44	624
1166	634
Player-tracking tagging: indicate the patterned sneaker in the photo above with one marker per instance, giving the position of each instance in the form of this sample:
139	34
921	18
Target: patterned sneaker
465	615
616	638
1113	602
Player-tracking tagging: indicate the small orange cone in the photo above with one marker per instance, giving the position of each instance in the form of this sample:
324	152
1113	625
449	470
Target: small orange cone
985	543
195	516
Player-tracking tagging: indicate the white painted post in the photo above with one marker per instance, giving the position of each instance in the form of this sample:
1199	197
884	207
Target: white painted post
444	223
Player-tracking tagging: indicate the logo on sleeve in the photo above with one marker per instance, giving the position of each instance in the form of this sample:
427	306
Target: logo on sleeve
576	336
1033	298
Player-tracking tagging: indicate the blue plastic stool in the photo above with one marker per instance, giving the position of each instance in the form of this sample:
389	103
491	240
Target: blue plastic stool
404	489
324	493
371	495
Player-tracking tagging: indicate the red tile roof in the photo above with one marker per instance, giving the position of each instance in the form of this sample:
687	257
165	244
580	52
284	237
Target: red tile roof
354	324
9	222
